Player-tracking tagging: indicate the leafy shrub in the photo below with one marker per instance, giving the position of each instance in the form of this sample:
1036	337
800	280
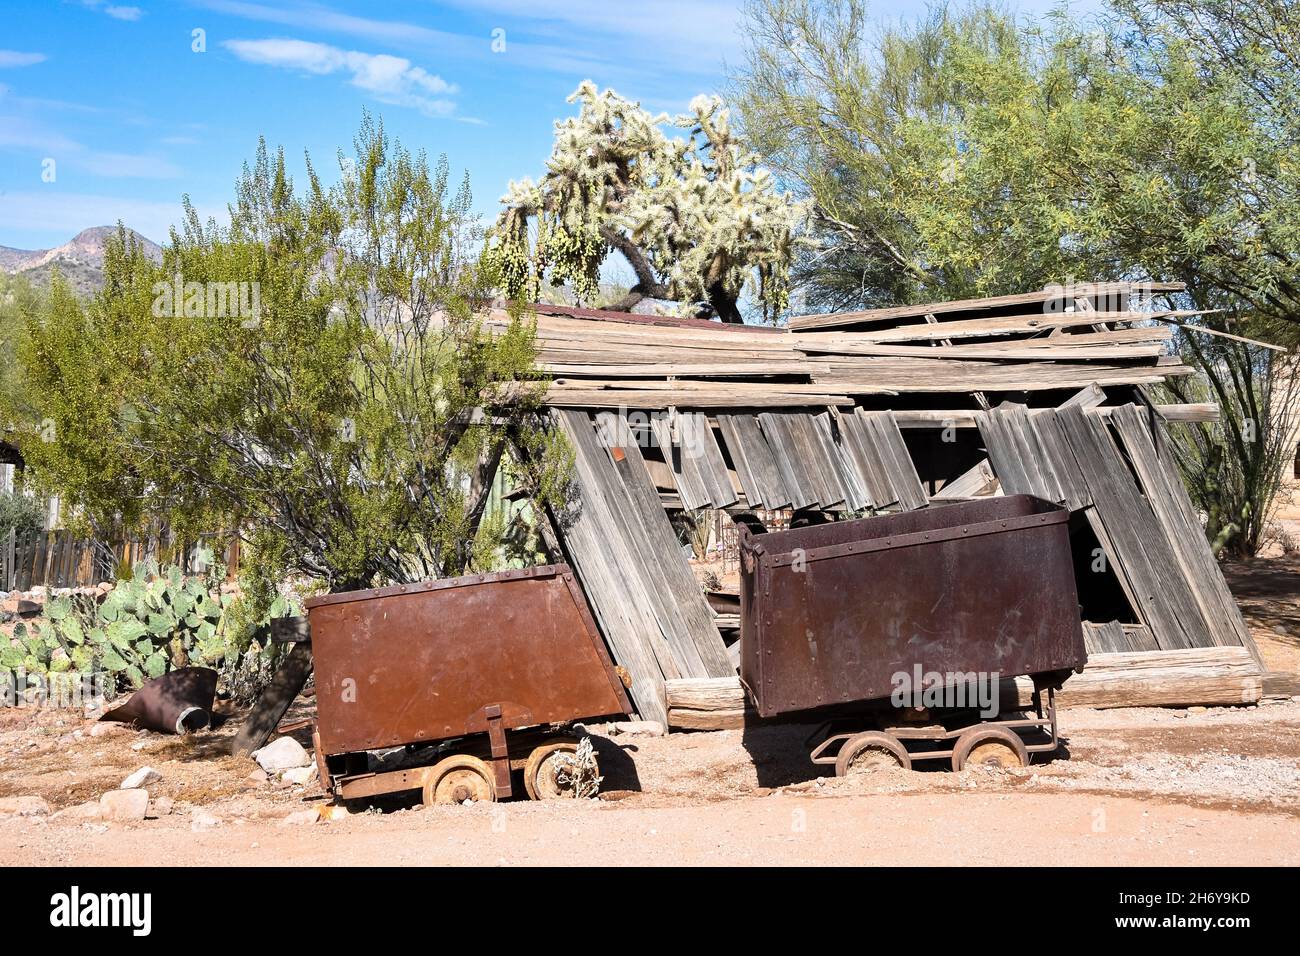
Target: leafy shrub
20	513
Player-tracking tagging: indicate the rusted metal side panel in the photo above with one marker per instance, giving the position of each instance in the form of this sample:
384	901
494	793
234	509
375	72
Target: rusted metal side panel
831	613
428	661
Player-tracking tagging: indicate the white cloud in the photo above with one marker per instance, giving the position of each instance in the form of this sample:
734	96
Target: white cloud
10	58
694	36
390	79
311	16
18	134
623	44
114	10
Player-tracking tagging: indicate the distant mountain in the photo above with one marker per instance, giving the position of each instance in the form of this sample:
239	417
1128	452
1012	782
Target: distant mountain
80	260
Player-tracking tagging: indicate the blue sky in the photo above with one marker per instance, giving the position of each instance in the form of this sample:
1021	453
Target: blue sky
133	117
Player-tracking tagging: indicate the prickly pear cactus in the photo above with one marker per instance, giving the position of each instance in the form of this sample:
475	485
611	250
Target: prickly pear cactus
150	623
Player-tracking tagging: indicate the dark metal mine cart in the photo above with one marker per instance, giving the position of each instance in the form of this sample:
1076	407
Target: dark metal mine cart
837	618
479	676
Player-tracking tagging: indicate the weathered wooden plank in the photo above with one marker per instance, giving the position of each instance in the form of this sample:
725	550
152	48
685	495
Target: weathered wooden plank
745	438
675	595
1112	637
592	541
1012	474
1168	497
965	417
817	451
785	450
690	488
1052	441
856	497
1053	295
701	452
977	481
895	459
1223	676
860	451
628	549
1206	676
740	461
1166	603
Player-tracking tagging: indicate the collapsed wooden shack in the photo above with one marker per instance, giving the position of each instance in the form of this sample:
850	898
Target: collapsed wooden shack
887	410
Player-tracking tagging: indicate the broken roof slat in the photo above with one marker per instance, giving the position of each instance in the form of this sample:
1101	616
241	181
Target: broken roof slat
1063	293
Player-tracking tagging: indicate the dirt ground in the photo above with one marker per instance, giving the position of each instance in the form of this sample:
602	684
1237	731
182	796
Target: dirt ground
1142	786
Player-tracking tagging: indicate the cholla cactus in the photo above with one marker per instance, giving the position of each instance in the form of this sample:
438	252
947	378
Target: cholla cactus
696	217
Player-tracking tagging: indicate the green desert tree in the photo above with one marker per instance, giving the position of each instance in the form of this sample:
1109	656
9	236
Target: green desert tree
697	218
19	301
314	377
930	151
968	154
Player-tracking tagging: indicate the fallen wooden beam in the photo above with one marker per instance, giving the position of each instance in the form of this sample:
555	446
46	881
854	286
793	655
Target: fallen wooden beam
977	481
1196	676
712	703
1199	676
1280	685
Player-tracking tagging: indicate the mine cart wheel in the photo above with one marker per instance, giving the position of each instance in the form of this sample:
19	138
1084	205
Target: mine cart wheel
989	747
457	779
542	772
871	752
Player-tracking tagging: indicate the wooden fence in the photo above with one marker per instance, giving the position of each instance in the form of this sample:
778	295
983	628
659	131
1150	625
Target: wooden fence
56	559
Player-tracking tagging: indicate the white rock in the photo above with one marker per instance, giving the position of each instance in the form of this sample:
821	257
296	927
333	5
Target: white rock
283	753
301	818
638	728
90	810
201	820
141	778
25	806
124	806
300	775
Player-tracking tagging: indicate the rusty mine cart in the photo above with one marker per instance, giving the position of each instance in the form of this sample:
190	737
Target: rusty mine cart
479	676
833	614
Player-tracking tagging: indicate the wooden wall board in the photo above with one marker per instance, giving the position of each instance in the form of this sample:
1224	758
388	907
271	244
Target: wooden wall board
785	449
760	474
1165	598
594	544
679	604
1165	490
895	460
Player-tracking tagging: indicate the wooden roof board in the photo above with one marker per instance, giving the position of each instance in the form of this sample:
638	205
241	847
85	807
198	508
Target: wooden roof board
860	448
679	605
983	304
